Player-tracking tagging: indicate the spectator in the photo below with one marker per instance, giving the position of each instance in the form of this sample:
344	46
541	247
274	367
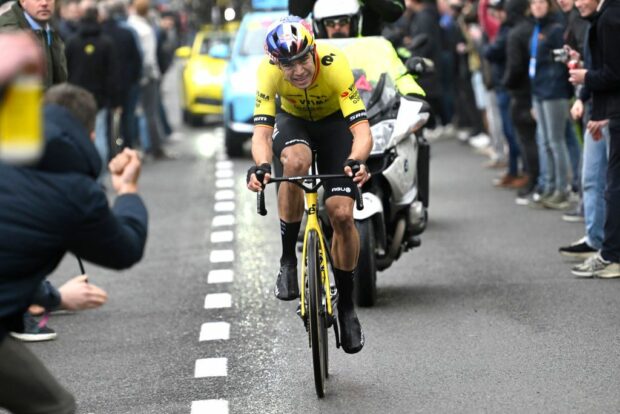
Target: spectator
167	43
469	116
149	83
91	59
551	93
129	66
69	19
75	294
576	25
56	207
517	83
36	16
603	80
375	13
425	22
495	52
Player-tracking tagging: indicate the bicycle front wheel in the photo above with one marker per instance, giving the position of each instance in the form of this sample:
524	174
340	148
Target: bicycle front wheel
317	311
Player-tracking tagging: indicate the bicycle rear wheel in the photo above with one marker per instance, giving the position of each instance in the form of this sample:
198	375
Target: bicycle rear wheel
317	311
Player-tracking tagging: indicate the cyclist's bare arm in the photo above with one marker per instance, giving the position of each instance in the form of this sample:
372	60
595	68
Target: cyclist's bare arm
261	152
362	145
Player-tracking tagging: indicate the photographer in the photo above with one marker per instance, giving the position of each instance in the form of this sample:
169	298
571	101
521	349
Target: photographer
50	209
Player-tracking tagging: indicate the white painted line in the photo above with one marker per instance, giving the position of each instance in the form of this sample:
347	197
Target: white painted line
226	164
213	331
222	236
224	195
224	206
211	367
218	300
210	407
220	276
224	183
221	256
226	220
224	173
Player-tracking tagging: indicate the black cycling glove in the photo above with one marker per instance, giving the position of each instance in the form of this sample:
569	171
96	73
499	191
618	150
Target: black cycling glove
265	168
355	165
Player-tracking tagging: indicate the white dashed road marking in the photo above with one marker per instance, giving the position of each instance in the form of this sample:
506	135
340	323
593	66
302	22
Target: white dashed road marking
218	300
211	367
224	183
224	206
220	276
224	173
218	331
225	220
210	407
222	256
224	195
222	236
213	331
224	165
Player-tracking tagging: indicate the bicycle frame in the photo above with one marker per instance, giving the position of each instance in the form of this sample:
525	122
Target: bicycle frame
313	224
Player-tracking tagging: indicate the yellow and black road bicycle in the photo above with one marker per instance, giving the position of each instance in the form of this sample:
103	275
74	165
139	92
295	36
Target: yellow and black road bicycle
318	295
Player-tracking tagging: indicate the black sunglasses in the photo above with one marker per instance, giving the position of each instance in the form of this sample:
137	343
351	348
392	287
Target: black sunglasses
340	21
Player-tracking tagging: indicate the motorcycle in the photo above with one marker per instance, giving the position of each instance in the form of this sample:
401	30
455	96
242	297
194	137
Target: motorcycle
396	197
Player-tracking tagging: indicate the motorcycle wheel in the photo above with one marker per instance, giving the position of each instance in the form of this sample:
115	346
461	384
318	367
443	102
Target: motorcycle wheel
365	291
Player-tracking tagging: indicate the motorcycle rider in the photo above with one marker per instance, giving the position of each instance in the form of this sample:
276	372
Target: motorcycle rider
342	19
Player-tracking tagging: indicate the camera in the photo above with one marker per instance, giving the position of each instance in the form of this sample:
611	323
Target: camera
560	55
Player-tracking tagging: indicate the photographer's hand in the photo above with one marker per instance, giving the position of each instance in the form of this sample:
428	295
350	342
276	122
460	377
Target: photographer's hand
577	76
124	171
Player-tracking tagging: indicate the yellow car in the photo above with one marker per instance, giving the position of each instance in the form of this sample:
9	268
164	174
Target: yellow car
203	75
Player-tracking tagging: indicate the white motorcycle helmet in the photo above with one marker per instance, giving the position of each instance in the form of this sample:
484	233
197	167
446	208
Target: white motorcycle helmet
330	9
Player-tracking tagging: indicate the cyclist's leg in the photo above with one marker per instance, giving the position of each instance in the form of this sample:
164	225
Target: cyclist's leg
334	141
291	146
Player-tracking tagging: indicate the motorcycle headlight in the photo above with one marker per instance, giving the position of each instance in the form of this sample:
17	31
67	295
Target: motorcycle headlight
381	134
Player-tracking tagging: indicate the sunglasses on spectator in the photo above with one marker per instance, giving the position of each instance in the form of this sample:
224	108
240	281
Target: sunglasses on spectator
341	21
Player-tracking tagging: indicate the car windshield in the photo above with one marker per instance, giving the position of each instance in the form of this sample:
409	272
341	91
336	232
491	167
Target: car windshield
209	42
254	37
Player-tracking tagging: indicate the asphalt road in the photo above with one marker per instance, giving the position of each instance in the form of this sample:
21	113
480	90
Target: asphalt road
483	317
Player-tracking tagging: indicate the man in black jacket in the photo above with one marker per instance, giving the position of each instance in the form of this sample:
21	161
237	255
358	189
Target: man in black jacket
517	82
48	210
603	80
375	13
129	67
91	59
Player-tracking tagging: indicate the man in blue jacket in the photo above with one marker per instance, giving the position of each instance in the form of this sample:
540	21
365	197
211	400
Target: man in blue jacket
48	210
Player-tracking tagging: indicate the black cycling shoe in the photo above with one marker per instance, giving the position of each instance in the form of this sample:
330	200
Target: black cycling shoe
287	287
351	333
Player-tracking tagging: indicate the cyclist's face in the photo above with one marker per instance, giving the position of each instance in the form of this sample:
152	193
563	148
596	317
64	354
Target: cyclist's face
299	72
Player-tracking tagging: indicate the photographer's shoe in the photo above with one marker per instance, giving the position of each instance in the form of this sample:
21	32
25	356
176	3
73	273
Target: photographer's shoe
351	333
287	287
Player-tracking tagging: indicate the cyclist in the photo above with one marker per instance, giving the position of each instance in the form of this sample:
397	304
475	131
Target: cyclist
320	109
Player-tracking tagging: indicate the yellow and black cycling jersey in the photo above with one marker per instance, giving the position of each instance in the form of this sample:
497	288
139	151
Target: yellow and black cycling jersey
332	89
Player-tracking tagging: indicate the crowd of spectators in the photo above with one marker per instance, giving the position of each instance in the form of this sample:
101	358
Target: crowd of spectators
512	85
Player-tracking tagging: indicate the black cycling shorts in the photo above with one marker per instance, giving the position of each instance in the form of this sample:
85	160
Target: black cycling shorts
330	137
